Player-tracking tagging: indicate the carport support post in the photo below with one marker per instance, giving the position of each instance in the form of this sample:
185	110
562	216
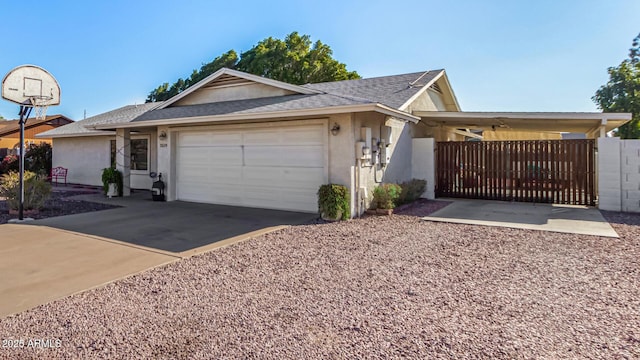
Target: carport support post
123	158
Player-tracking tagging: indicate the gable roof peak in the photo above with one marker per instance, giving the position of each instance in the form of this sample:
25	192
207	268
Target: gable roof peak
226	75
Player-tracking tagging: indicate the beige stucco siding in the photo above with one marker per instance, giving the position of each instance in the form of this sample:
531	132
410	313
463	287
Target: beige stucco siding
398	167
237	92
432	100
341	150
429	100
85	157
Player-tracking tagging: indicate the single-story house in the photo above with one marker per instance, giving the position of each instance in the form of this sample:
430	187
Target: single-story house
240	139
10	130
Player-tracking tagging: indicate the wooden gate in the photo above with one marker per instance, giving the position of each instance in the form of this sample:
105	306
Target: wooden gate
544	171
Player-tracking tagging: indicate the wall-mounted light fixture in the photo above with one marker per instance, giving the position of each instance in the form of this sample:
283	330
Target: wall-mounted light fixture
335	129
163	135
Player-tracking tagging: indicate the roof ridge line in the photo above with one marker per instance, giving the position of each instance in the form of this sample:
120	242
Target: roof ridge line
411	84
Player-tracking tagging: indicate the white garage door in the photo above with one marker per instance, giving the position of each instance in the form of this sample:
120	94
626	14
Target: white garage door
274	168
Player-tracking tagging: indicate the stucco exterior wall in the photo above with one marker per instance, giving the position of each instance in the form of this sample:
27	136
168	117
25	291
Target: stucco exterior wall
85	157
238	92
619	174
342	155
423	164
430	100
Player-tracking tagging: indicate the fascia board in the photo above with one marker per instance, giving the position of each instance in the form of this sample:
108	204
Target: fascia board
267	115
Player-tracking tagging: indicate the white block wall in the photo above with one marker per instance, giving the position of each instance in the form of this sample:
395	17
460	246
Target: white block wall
619	174
630	175
423	164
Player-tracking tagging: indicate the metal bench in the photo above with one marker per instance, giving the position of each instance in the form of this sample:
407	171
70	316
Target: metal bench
58	173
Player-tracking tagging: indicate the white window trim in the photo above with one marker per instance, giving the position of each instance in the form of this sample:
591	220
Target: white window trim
138	137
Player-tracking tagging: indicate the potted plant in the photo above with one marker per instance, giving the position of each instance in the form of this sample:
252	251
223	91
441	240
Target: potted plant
36	191
112	182
333	202
385	197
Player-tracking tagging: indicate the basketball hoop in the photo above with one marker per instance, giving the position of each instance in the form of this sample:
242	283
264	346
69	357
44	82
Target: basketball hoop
40	104
31	87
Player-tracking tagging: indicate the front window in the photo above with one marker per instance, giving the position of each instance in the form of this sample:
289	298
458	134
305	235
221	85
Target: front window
139	154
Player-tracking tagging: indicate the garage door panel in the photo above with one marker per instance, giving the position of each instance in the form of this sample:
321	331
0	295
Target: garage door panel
209	138
304	136
287	178
262	137
311	135
311	156
224	155
208	193
277	168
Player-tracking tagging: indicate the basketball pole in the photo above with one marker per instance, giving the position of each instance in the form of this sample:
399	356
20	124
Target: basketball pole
25	111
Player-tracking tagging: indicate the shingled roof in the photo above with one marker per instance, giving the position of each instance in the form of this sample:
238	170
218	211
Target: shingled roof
250	106
118	116
393	91
390	91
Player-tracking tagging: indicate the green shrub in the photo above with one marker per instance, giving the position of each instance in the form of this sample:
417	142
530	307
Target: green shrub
334	202
111	176
386	196
36	190
411	190
38	158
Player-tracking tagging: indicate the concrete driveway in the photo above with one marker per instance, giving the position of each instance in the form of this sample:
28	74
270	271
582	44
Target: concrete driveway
546	217
52	258
177	227
41	264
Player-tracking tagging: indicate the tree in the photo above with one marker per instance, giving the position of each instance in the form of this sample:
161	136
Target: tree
622	92
293	60
164	91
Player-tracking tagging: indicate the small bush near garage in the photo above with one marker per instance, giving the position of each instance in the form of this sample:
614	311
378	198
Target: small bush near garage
411	191
36	190
386	196
334	202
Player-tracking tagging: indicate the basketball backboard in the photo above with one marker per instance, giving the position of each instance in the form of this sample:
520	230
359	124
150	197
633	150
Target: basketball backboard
31	85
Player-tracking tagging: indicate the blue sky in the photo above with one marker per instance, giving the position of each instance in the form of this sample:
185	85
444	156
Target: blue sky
499	55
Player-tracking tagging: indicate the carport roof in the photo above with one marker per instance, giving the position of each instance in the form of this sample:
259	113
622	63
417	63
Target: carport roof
580	122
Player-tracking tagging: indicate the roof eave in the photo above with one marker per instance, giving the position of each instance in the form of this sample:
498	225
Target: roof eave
609	121
92	133
265	115
523	115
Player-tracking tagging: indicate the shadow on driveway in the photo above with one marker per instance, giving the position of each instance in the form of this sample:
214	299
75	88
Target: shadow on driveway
171	226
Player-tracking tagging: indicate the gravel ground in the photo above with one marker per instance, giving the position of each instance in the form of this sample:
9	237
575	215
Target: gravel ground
58	204
377	287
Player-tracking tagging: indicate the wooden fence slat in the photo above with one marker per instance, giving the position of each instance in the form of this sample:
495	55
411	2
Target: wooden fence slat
558	171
